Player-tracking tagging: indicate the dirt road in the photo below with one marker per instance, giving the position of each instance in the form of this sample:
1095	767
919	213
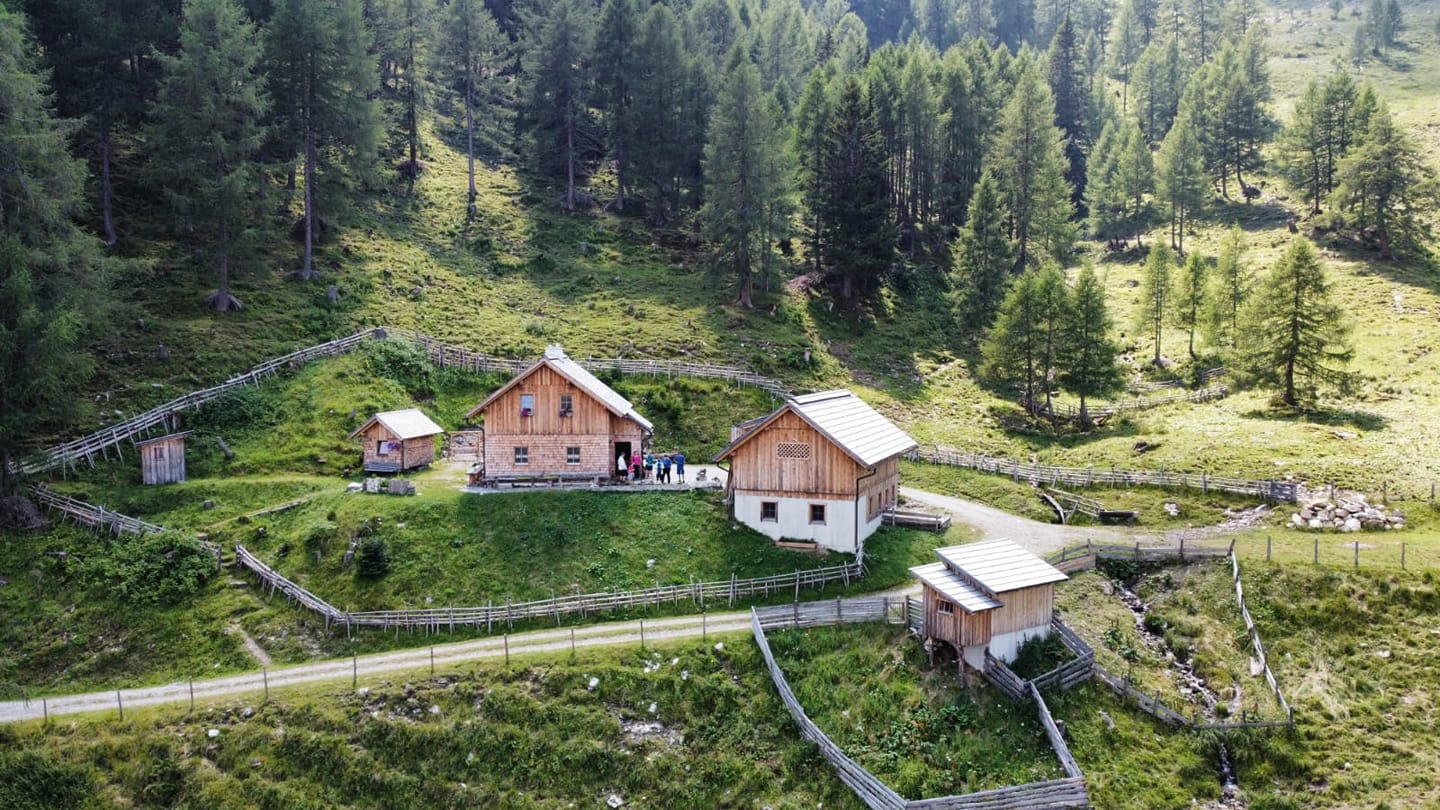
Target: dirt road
1040	538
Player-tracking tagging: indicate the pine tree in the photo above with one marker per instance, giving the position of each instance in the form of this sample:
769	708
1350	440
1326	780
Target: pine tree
51	272
1191	297
1155	295
785	47
206	128
1135	174
983	259
1180	177
470	58
811	127
322	82
1159	82
615	66
1295	335
1012	349
1302	146
671	108
747	178
1388	186
1029	162
1071	99
557	91
1129	43
967	119
1233	282
859	232
1087	362
1052	300
409	37
1104	199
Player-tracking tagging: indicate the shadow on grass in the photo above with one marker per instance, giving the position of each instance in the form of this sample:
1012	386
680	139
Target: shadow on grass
1333	417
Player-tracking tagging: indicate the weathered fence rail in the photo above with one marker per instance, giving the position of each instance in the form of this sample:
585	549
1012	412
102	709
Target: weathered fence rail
1112	409
1091	476
1082	556
1056	793
1206	376
99	518
1255	643
505	614
86	448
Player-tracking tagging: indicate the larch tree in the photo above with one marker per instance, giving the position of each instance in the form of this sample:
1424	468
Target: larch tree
672	99
413	20
469	59
1135	175
1028	157
1191	297
616	41
859	228
1155	296
1087	361
983	260
51	272
558	85
1013	347
322	85
206	122
747	178
1295	336
1180	177
1387	185
1233	280
1105	201
811	128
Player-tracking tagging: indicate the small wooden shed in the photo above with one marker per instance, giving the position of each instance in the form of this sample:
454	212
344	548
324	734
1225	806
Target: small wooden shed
162	460
398	440
987	597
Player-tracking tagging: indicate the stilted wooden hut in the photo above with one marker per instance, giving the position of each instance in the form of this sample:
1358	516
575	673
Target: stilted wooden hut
398	440
987	597
555	420
822	467
162	460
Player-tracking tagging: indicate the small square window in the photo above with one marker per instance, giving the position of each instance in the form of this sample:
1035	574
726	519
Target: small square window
769	510
572	455
527	404
567	405
522	455
817	513
382	448
944	607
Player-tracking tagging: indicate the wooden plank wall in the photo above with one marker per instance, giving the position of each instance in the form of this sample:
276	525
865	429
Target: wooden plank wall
1024	608
163	461
758	468
546	434
959	628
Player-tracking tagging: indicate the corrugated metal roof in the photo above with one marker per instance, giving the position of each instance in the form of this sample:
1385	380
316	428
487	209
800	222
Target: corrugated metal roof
941	578
998	566
856	428
556	359
407	424
861	430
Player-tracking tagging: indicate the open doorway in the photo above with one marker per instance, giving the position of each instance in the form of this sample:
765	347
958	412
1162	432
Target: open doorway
622	450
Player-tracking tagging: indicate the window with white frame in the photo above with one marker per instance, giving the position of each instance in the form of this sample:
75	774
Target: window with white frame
572	455
527	404
522	455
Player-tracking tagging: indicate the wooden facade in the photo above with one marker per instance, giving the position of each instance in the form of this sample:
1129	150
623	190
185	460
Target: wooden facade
555	419
162	460
395	441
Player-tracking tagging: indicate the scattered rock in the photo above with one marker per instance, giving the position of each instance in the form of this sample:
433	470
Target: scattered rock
213	733
248	712
1383	654
1110	724
1172	509
594	682
615	801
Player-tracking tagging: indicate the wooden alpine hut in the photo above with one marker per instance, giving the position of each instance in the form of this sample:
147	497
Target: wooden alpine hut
557	420
821	468
396	441
987	597
162	460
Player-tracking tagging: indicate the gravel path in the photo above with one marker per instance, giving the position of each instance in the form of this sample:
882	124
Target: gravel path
1040	538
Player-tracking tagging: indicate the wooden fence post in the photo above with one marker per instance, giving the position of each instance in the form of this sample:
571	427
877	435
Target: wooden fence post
432	658
265	676
1402	555
120	704
1267	548
192	694
354	669
507	649
703	618
1317	549
642	634
1357	553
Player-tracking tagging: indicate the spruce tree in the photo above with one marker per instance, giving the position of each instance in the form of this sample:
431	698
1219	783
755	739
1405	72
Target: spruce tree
51	272
811	128
616	41
1029	162
1052	299
322	82
1135	174
1387	185
747	178
1155	288
859	231
558	85
1069	90
1180	177
470	58
1295	335
1087	362
1012	349
1233	282
983	258
207	131
1104	199
1191	297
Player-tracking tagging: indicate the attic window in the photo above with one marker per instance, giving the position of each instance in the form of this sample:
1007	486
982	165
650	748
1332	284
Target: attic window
792	450
527	404
567	405
944	607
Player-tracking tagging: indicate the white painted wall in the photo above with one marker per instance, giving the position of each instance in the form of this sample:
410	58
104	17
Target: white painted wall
837	533
1007	646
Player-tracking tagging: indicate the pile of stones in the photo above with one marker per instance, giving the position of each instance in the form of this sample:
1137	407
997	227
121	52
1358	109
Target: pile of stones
1349	513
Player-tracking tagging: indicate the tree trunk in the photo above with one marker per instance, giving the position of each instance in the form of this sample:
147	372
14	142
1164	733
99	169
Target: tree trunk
1084	414
470	146
622	152
570	164
1382	232
222	300
105	188
307	269
745	294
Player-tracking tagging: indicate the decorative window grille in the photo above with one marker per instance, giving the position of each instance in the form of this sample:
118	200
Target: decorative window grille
792	450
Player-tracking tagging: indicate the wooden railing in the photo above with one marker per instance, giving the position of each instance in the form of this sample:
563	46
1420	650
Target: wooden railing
869	789
1109	410
1255	643
1091	476
99	518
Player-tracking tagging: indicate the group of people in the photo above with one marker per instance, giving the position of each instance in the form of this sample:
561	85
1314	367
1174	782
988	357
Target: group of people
651	467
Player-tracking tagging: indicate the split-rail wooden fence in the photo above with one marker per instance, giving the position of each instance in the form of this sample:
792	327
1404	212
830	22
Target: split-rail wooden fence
99	518
1102	413
1091	476
1055	793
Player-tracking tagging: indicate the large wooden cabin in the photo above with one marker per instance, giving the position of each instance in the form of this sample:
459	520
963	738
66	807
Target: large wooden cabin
396	441
821	467
162	460
555	419
991	596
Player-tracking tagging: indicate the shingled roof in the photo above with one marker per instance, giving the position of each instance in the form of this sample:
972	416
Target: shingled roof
862	432
407	424
561	363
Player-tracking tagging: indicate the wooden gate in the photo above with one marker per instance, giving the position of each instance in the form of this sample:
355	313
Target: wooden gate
464	445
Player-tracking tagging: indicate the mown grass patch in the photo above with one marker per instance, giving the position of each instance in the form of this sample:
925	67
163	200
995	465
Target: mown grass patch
919	731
